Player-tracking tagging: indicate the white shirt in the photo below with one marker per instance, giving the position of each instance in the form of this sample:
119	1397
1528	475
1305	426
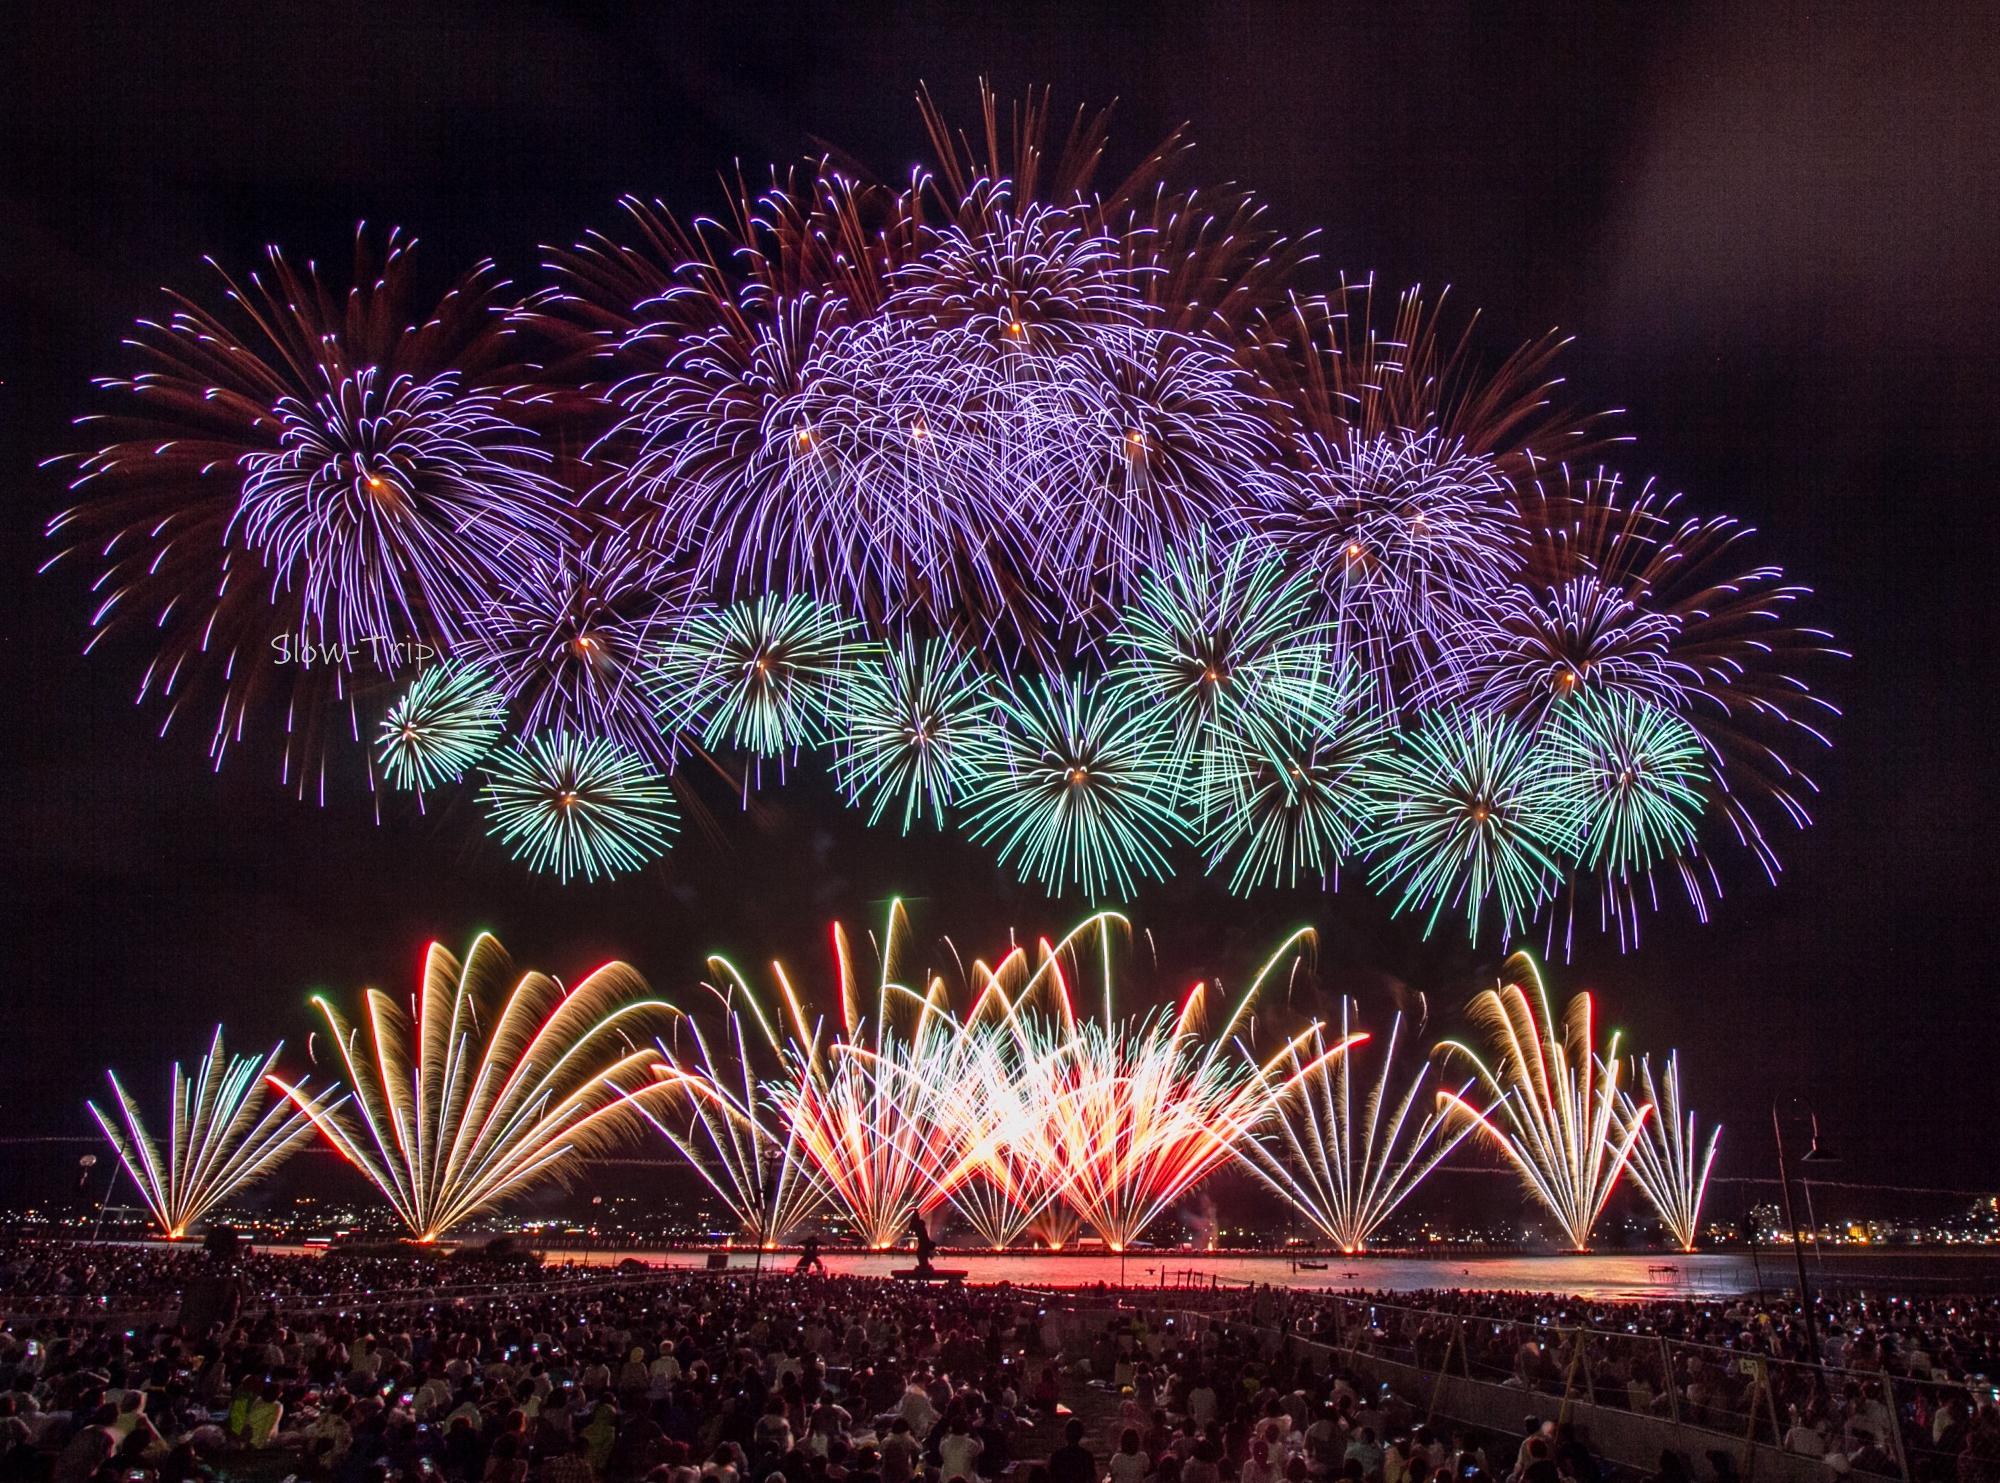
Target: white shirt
958	1455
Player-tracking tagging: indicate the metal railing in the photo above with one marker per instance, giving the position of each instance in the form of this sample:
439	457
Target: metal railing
1739	1396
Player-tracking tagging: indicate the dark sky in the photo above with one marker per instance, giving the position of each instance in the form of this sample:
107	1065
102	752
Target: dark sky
1771	228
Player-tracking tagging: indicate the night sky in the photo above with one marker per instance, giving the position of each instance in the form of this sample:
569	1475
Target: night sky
1772	229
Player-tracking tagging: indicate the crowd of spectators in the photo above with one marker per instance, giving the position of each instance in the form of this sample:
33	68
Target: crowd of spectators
1893	1373
69	1276
136	1365
570	1378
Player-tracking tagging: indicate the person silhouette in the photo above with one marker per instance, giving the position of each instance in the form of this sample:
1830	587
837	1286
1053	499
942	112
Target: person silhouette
925	1245
809	1257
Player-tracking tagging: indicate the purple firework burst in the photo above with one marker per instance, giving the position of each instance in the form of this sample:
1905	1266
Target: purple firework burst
571	637
1409	536
306	487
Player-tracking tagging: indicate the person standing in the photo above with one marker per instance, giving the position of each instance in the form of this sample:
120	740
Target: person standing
809	1257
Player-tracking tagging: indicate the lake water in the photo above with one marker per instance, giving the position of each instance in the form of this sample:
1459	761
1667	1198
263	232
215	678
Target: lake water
1636	1275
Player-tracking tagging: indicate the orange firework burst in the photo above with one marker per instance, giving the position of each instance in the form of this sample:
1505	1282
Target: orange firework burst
1556	1110
487	1090
1134	1113
1020	1114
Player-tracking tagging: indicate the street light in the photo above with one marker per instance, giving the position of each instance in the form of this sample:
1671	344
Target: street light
1815	1154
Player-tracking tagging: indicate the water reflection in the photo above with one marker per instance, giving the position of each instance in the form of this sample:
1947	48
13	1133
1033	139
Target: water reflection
1637	1275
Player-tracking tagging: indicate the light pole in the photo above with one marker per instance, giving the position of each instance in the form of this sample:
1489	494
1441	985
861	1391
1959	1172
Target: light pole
1813	1155
1756	1263
87	1163
762	1234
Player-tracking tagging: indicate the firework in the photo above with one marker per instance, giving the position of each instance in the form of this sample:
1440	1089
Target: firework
1017	1181
1019	1114
1357	379
1076	787
1169	439
1016	1185
1221	646
723	1121
388	496
1735	660
1637	774
310	486
910	720
1469	810
1047	504
571	806
1136	1113
1535	647
1406	535
570	638
1056	1226
1298	806
1554	1103
889	502
1347	1168
220	1136
757	675
449	718
948	400
446	1123
874	1104
1029	284
1669	1162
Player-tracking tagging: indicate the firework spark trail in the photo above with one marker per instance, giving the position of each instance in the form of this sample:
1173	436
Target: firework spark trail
572	805
1669	1163
1405	538
1138	1113
870	1101
870	1117
722	1119
1018	1113
1016	1180
446	1124
449	718
218	1139
1015	1183
1347	1169
1554	1104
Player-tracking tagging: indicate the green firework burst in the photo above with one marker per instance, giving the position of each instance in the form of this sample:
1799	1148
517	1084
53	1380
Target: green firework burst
757	675
568	805
910	721
450	717
1469	810
1076	787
